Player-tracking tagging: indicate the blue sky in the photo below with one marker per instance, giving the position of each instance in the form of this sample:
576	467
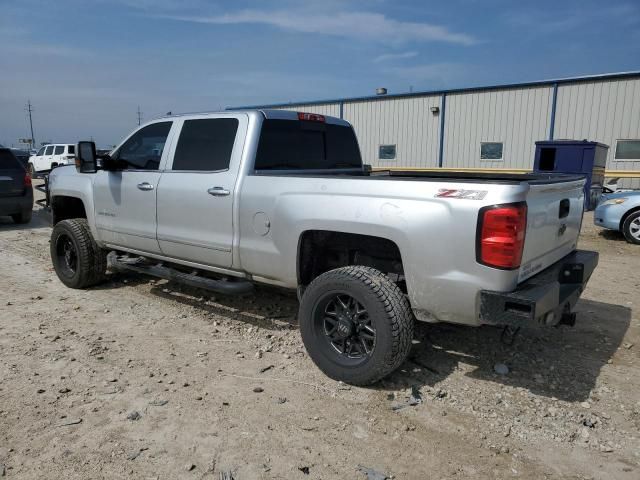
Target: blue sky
87	64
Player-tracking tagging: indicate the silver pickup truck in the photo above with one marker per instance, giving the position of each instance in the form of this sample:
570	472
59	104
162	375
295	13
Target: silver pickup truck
225	200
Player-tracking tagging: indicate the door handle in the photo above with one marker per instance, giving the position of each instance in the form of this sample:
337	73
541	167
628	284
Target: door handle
218	192
145	186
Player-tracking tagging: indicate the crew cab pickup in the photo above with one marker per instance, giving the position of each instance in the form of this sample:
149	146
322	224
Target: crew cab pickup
226	200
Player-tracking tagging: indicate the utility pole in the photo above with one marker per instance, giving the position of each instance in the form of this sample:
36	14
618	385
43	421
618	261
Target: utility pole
29	109
139	116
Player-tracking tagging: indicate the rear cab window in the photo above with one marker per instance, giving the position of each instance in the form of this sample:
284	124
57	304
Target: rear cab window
306	145
71	149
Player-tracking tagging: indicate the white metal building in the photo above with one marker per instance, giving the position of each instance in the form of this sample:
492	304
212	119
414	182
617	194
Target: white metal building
494	127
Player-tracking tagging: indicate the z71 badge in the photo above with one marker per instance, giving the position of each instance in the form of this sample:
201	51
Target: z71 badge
465	194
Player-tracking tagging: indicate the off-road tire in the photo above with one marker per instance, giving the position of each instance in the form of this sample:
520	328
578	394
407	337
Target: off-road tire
22	217
388	309
91	259
626	227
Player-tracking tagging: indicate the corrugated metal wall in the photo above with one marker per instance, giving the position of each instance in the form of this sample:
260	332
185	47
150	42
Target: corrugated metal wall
405	122
516	117
604	111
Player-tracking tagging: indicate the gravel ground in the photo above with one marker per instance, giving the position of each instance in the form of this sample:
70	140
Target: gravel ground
139	378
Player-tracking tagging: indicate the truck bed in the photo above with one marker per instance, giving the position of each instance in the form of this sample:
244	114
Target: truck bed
426	176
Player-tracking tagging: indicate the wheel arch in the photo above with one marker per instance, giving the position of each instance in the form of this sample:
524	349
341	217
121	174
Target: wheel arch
627	214
322	250
64	207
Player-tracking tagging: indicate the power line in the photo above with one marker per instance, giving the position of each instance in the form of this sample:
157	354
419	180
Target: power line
29	109
139	116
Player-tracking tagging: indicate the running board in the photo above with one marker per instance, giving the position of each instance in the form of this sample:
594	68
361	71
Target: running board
139	265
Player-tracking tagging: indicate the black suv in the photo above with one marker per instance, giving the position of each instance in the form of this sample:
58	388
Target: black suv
16	193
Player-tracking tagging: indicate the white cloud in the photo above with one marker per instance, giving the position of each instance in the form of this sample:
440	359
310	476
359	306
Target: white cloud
386	57
361	25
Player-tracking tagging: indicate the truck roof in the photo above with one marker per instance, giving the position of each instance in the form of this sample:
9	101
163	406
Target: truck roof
272	114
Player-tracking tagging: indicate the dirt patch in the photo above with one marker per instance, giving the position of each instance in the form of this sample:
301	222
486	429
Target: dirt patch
139	378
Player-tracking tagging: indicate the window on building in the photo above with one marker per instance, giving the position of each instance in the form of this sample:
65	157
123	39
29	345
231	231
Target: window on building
628	150
490	150
206	144
387	152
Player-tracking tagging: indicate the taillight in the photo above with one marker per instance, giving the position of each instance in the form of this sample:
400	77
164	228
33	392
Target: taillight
27	180
501	232
310	117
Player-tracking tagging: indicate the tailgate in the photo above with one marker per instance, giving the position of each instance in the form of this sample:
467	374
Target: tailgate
554	217
11	182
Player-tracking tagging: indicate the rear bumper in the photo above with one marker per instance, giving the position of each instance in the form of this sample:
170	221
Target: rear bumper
16	205
546	298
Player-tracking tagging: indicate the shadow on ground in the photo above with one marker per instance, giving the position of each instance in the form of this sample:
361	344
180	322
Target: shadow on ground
41	219
612	235
562	362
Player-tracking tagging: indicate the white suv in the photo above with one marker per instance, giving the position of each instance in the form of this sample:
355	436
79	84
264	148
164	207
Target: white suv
51	156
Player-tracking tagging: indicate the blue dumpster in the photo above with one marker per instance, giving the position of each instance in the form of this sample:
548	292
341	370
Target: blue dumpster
575	156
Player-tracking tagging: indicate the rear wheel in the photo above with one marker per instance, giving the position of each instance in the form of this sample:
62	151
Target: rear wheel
356	324
24	217
77	259
631	228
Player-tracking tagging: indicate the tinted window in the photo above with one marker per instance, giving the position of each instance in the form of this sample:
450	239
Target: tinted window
8	160
49	150
293	145
59	150
628	150
71	149
144	149
41	151
205	144
491	151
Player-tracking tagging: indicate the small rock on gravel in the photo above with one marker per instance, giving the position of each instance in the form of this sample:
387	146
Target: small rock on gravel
501	369
258	389
133	416
189	467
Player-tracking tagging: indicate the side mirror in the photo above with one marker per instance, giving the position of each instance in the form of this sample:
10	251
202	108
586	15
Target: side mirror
86	157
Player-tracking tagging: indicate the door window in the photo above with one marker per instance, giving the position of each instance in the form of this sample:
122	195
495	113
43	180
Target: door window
49	150
41	151
59	150
143	150
206	144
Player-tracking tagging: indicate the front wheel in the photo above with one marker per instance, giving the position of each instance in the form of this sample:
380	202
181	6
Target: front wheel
631	228
77	259
356	324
